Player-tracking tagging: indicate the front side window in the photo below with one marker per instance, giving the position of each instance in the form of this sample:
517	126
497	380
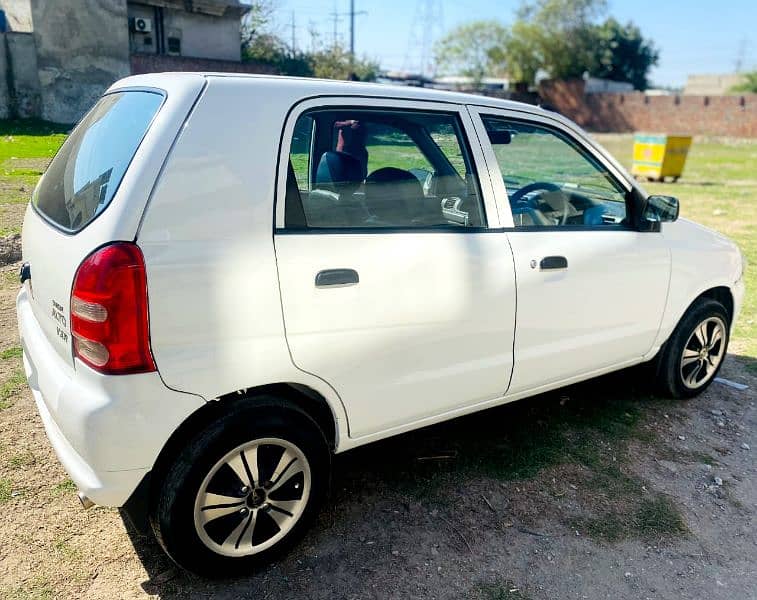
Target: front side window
85	174
551	181
357	168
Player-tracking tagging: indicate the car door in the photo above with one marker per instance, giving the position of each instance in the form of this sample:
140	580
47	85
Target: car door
397	287
591	288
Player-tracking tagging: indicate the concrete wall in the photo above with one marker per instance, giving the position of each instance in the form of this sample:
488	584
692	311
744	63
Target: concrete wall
201	35
137	40
18	67
152	63
80	52
204	36
26	97
18	14
734	116
4	96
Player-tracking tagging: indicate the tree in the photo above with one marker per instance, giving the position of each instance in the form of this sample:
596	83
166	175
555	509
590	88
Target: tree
556	36
622	54
334	63
261	45
749	85
473	50
268	49
559	37
523	52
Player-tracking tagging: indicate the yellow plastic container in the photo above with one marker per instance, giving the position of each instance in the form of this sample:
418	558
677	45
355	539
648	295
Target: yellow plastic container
659	156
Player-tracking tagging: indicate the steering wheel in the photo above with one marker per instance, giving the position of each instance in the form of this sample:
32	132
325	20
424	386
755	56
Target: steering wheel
533	187
542	186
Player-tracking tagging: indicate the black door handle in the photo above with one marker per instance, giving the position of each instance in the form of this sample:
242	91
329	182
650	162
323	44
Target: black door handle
336	277
553	262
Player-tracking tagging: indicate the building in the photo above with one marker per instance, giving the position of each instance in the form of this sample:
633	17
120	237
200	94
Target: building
712	85
205	29
56	58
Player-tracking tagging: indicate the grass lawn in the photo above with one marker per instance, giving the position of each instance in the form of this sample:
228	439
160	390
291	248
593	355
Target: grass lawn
26	147
718	189
564	463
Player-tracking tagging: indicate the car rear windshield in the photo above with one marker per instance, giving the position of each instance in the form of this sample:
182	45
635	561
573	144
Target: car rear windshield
84	176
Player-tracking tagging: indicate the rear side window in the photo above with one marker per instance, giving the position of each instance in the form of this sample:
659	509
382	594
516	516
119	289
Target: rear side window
381	168
84	176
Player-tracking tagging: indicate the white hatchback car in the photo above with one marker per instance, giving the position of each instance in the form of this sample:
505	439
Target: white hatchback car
229	278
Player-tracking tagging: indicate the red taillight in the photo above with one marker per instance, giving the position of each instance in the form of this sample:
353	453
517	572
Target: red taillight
109	316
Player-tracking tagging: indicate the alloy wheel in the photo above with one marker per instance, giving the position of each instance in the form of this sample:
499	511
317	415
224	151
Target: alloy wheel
703	352
252	497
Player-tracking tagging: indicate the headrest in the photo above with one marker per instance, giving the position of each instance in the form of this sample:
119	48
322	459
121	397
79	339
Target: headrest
393	195
350	139
338	172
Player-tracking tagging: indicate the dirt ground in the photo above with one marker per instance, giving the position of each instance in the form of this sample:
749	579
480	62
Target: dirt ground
599	490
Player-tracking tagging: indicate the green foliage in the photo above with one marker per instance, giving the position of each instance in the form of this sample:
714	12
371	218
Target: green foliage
334	63
10	387
474	50
653	518
622	54
328	62
749	85
271	50
14	352
558	37
64	487
5	490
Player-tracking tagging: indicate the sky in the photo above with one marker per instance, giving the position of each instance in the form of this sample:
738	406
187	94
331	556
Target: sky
693	36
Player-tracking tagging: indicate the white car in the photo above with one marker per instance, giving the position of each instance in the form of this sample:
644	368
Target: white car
229	278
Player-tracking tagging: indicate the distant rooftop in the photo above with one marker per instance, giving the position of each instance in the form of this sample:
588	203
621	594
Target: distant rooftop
217	8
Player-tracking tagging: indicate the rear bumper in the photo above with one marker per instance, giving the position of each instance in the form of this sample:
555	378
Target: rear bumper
106	430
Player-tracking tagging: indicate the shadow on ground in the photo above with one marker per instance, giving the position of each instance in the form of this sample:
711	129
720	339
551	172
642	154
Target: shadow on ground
459	477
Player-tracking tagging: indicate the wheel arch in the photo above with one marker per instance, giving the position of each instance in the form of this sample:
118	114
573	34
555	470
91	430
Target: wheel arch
720	293
300	396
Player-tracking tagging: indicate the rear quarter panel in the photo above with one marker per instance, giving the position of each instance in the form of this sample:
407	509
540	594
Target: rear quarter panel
55	255
216	323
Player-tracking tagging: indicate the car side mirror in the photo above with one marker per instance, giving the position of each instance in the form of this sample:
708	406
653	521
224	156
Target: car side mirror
661	209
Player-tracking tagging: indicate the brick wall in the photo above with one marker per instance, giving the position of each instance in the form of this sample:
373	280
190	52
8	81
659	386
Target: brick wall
734	116
153	63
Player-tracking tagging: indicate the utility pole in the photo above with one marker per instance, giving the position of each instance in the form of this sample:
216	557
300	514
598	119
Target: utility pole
352	32
353	13
740	53
427	26
294	38
335	16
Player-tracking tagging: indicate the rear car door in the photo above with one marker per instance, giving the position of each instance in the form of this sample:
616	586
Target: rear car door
591	288
397	287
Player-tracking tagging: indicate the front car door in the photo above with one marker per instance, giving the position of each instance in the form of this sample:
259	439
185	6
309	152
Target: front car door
591	288
397	287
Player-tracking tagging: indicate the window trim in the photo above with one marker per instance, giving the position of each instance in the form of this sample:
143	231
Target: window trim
467	130
582	145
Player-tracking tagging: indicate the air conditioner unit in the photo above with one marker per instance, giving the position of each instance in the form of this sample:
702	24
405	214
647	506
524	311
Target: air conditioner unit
140	25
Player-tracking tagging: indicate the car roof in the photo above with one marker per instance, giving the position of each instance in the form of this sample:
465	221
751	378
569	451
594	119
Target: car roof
314	87
291	90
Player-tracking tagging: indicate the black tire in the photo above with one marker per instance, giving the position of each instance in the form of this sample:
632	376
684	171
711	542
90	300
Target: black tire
670	373
172	506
